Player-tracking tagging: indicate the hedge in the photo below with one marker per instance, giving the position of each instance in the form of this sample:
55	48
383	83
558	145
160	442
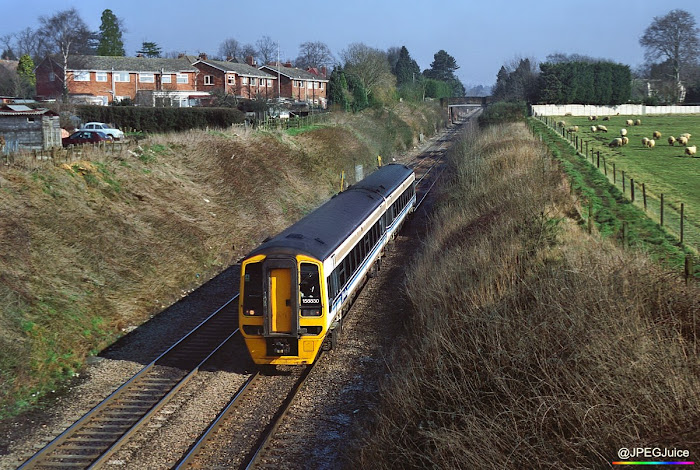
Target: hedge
148	119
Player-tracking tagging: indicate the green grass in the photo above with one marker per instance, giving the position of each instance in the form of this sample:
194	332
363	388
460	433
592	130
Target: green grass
663	169
611	209
300	130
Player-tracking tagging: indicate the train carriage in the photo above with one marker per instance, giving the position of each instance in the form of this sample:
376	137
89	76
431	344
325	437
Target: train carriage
296	287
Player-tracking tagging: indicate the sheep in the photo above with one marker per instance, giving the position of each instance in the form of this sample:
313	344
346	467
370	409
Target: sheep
616	142
594	128
572	129
629	122
656	135
623	132
686	135
651	143
645	141
606	118
691	150
671	140
682	140
561	123
602	128
638	122
625	140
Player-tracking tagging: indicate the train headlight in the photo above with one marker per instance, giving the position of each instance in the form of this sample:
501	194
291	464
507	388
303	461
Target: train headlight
250	312
310	312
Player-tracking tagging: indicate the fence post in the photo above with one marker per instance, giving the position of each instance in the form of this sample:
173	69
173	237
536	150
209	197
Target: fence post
644	195
614	174
662	209
598	160
632	189
682	224
623	182
689	268
605	166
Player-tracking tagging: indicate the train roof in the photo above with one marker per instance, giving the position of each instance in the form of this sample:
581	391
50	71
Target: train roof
319	233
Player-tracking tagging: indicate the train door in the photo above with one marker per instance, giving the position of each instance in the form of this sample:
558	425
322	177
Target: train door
280	280
281	313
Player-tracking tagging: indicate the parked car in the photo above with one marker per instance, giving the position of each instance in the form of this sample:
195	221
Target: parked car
85	137
106	128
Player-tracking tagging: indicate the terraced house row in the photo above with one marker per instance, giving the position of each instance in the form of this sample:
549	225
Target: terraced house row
182	82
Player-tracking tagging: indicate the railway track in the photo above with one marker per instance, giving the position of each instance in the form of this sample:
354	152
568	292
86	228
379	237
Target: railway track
91	440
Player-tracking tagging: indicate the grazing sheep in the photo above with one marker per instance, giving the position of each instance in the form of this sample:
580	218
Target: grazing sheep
592	118
638	122
623	132
656	135
629	122
691	150
594	128
671	140
683	140
561	123
686	135
602	128
606	118
645	141
651	143
625	140
572	129
616	142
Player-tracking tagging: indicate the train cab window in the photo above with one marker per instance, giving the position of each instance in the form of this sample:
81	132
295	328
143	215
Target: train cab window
253	289
310	290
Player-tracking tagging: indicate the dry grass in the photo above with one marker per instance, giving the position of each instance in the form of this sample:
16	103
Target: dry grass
533	345
96	245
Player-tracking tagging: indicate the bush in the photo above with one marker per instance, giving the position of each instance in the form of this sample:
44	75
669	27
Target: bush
161	119
503	112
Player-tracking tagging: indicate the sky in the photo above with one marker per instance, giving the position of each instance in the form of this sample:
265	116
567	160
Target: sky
481	35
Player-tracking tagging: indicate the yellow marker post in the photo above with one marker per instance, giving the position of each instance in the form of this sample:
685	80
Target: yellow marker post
379	161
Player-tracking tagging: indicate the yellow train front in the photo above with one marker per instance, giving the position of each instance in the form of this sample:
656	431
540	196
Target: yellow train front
297	286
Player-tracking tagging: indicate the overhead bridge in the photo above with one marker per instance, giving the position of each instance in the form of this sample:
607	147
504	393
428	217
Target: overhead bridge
457	106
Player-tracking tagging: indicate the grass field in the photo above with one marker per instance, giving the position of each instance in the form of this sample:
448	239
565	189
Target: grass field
663	169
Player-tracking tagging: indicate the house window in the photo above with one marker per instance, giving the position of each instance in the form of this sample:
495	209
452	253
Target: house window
121	77
166	78
231	79
320	85
269	82
309	85
244	80
52	76
208	79
146	78
253	80
182	78
81	76
100	76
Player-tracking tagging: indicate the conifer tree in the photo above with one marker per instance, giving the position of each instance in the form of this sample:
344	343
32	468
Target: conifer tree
111	43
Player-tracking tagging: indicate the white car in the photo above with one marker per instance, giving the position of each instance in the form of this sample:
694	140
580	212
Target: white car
116	134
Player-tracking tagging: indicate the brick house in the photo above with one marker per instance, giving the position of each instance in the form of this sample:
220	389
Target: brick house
298	84
23	128
103	79
240	80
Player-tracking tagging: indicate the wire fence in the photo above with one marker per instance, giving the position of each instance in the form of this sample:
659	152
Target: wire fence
671	213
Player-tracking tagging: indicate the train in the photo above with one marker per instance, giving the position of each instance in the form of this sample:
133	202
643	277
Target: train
297	287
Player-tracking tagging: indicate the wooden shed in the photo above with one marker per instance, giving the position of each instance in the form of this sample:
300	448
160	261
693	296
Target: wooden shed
24	128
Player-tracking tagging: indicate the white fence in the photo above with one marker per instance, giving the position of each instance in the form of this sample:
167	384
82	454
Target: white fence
596	110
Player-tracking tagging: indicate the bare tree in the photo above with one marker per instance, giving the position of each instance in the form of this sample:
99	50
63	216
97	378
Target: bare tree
66	34
369	65
230	48
673	37
266	49
314	54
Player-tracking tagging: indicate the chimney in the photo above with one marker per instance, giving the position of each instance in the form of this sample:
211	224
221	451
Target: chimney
324	71
288	64
249	60
203	56
181	55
